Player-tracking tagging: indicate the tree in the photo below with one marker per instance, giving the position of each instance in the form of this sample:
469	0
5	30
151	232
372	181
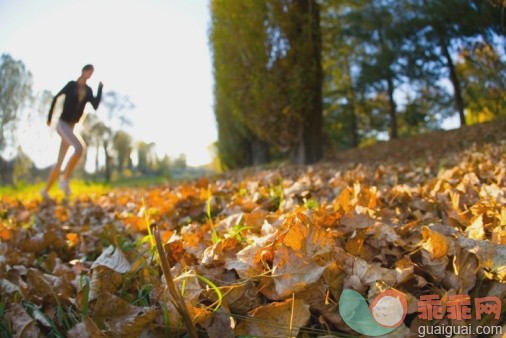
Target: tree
239	58
117	105
484	84
23	167
106	144
439	26
180	162
164	166
99	135
122	144
345	111
146	157
301	26
268	77
378	28
102	134
15	91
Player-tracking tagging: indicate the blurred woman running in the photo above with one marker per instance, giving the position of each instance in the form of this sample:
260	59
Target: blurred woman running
77	94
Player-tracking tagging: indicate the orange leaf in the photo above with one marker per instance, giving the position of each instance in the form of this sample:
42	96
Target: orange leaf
435	243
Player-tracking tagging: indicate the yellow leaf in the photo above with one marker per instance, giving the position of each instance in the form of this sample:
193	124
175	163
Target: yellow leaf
435	243
475	230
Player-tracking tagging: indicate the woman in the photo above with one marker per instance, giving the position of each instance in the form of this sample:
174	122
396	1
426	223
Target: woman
77	94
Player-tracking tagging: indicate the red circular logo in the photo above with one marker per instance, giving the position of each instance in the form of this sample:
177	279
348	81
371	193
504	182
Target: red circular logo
389	308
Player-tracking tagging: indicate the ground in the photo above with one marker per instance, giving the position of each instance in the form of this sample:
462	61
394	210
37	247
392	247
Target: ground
264	251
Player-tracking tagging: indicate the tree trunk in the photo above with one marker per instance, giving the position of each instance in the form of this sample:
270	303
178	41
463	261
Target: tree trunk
2	179
354	127
459	101
392	110
6	172
96	160
310	146
81	166
260	152
107	174
353	107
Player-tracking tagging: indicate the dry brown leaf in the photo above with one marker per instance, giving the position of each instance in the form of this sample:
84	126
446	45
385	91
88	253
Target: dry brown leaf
239	298
221	325
39	242
38	288
361	217
436	267
292	272
279	319
119	318
370	273
411	225
248	262
85	329
491	256
404	269
114	259
465	266
190	285
23	326
7	287
104	280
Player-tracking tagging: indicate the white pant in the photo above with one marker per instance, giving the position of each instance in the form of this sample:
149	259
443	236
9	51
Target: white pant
69	138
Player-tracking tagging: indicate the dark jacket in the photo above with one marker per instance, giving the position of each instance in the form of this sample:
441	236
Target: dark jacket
72	108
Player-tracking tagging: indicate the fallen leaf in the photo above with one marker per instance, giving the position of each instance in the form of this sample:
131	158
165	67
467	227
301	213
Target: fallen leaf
221	325
292	272
114	259
475	230
279	319
435	243
104	280
23	326
85	329
120	318
491	256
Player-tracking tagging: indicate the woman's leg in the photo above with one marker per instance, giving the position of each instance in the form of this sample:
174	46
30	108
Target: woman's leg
55	172
78	152
75	140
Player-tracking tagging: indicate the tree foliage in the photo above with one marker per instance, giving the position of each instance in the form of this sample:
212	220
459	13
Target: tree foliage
122	145
15	91
374	68
267	74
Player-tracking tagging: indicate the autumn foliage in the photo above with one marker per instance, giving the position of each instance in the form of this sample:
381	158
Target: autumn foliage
257	252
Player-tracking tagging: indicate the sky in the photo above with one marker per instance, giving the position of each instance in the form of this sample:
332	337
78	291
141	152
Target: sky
154	51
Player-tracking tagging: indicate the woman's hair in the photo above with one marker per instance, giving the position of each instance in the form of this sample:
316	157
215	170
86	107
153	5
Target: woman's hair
88	67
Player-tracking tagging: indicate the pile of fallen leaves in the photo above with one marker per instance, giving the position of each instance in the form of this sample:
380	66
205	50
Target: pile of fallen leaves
256	252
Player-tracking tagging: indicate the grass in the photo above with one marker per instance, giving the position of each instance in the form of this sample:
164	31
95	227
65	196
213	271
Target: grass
214	233
5	328
138	182
25	191
32	191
